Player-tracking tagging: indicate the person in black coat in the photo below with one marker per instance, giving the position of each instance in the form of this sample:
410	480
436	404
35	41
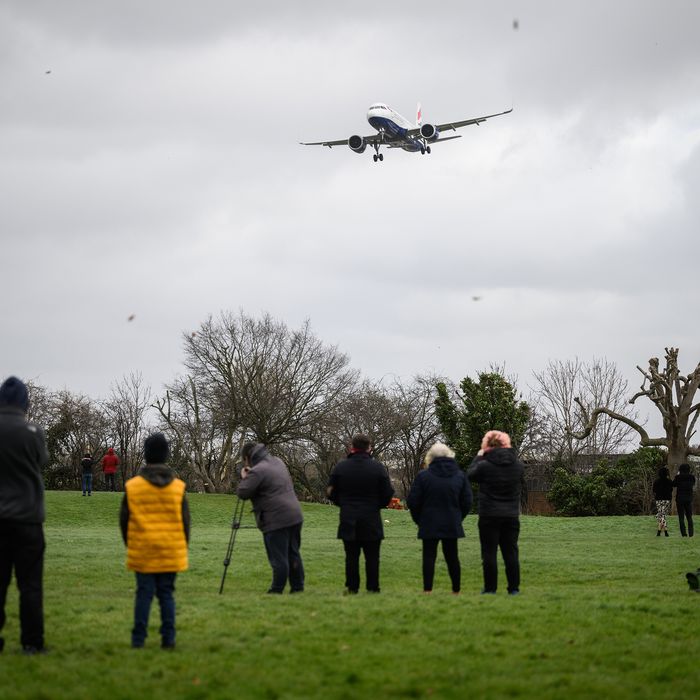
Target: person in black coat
684	483
499	474
439	500
23	455
361	487
87	463
663	493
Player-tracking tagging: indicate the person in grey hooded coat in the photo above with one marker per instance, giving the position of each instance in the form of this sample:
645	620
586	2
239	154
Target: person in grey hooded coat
266	481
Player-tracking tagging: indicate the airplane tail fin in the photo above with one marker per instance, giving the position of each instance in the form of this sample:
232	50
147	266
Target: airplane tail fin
419	115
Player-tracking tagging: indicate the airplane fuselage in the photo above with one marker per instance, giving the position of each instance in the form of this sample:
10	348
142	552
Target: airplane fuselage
393	127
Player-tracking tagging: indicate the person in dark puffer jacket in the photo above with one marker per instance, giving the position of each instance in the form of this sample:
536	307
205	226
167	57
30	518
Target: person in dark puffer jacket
439	500
23	454
684	483
499	474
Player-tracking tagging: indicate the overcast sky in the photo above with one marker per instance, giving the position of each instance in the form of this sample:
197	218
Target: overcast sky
149	165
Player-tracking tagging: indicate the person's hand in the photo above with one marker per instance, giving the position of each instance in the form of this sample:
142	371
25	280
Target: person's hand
244	472
480	453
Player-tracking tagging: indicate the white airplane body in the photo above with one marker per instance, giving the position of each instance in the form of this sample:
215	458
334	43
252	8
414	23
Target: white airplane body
395	131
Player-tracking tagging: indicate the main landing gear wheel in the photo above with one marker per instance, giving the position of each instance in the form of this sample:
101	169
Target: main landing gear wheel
427	149
378	156
381	156
422	151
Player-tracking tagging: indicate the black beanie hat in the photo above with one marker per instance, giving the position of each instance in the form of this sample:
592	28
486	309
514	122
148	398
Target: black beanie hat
156	449
13	392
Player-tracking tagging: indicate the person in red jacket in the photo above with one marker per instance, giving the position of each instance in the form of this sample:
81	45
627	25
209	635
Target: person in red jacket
110	462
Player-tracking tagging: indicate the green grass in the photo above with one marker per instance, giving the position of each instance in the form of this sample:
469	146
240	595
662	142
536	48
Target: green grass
605	612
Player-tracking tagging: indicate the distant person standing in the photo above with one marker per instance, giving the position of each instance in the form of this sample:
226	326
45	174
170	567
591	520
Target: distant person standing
684	483
23	454
439	500
663	493
155	526
266	481
110	462
87	464
499	474
361	487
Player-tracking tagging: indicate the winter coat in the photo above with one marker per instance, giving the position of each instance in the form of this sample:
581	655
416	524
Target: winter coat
684	485
155	521
499	474
87	464
269	486
663	489
361	487
110	462
23	454
440	499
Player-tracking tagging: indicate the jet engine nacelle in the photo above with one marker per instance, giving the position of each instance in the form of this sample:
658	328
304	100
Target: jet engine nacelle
357	144
429	132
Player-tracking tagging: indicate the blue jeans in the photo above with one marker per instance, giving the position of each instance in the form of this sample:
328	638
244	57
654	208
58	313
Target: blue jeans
163	586
87	483
282	547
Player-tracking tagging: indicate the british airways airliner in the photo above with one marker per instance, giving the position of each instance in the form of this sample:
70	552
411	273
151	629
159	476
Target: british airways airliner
394	131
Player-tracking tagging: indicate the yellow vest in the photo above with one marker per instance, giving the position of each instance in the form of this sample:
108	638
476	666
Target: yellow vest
156	541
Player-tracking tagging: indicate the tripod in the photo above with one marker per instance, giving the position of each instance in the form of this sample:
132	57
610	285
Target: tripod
235	527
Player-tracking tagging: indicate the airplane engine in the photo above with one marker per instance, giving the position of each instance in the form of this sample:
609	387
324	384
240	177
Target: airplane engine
357	144
429	132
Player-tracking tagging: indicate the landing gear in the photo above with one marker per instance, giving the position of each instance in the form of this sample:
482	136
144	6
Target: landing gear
427	149
377	156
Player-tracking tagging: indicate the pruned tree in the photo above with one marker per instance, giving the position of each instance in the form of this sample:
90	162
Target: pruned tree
673	395
559	390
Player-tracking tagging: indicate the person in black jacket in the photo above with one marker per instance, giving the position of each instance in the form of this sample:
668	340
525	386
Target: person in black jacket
684	483
439	500
361	487
87	463
23	454
663	493
499	474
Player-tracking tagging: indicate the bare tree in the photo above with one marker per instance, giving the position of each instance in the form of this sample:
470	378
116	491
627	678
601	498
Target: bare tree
204	434
277	382
126	410
418	426
561	388
672	394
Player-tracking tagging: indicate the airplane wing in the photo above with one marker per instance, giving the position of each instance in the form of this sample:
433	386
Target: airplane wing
453	126
369	140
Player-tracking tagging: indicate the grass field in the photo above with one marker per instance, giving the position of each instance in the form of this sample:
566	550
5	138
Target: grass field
604	612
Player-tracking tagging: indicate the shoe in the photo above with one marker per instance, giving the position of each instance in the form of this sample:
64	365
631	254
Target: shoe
350	591
168	646
275	592
296	590
665	533
137	645
29	650
485	592
515	591
83	494
658	532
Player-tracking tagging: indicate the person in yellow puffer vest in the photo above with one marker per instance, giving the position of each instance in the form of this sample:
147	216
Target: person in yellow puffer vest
155	525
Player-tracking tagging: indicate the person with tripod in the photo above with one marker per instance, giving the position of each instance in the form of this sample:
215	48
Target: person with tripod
265	481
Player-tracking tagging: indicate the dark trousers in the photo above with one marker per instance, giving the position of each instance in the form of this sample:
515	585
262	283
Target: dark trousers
87	483
22	549
282	547
370	548
109	482
495	532
451	553
163	587
685	511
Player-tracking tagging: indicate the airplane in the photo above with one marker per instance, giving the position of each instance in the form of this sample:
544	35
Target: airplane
394	131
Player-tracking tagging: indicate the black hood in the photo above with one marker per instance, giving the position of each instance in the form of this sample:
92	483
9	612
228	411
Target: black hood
444	467
157	474
258	453
501	456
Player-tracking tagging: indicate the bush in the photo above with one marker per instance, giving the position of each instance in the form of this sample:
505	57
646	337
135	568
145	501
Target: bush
622	488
